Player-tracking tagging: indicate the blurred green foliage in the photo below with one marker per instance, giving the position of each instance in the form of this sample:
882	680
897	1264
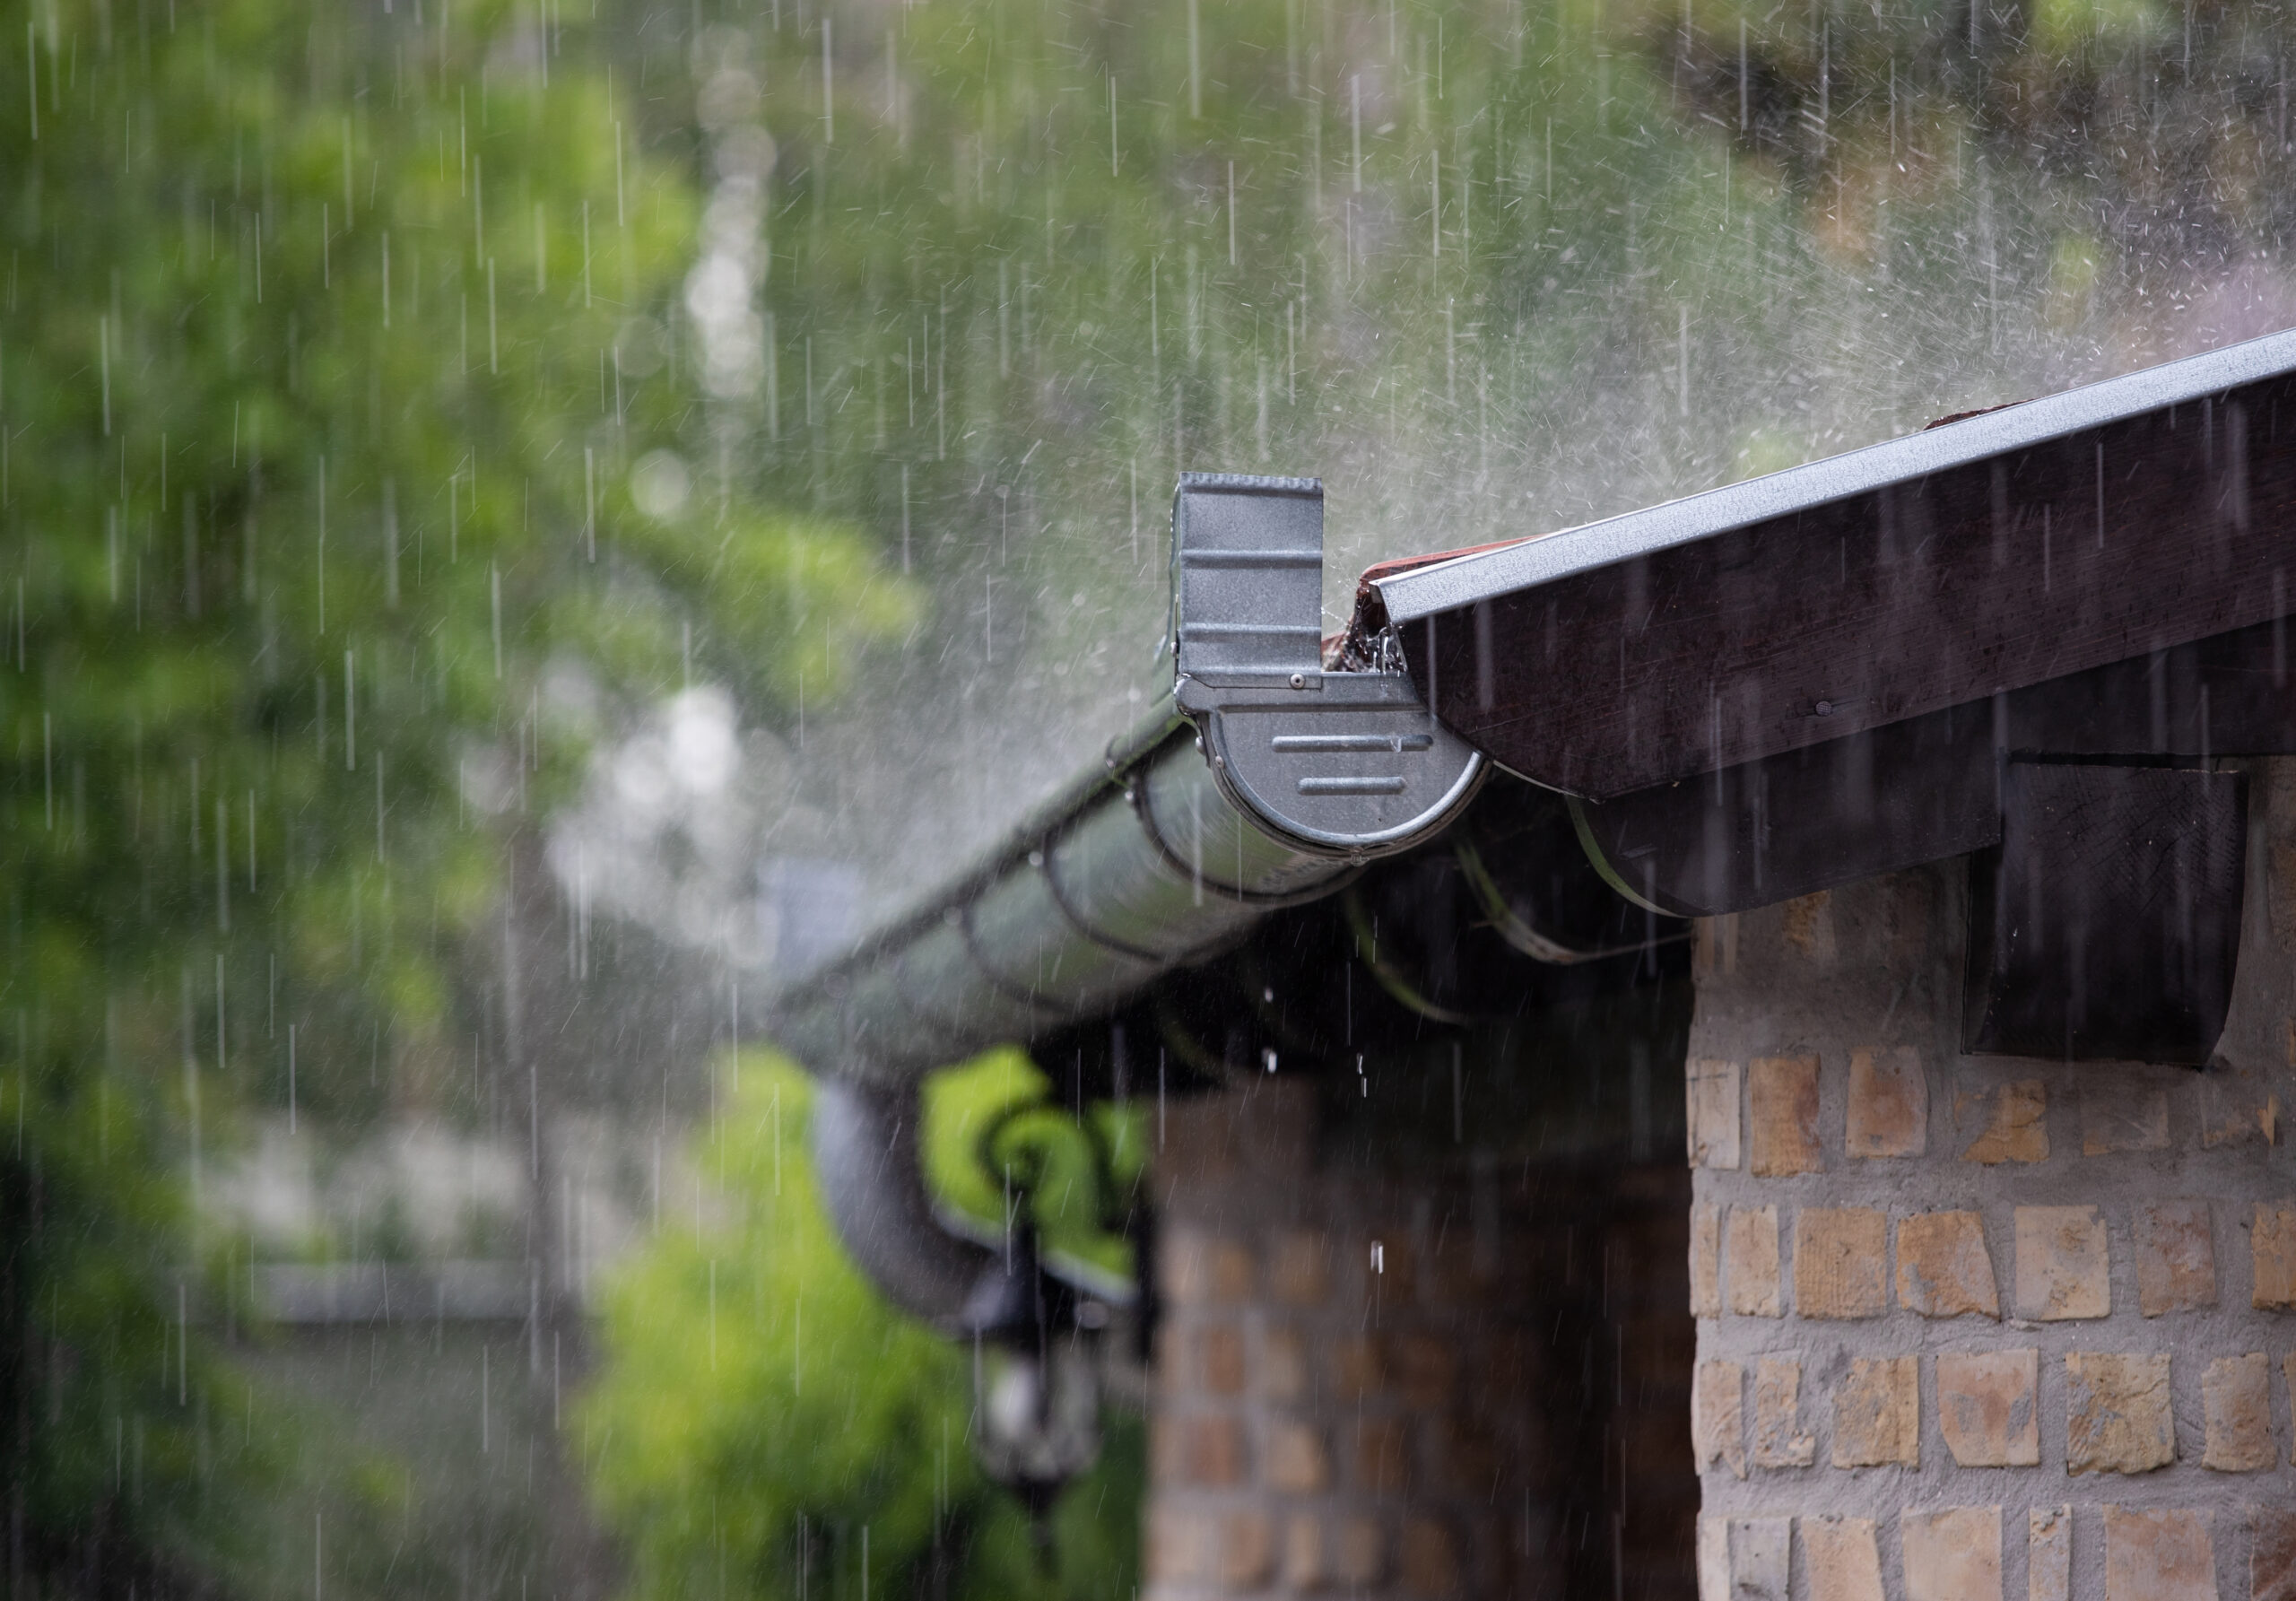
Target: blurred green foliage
316	426
763	1418
997	1149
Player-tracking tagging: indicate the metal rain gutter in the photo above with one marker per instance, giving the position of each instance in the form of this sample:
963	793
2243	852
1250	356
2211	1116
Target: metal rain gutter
1261	781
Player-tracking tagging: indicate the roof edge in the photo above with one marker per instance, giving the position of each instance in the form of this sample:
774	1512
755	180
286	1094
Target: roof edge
1446	586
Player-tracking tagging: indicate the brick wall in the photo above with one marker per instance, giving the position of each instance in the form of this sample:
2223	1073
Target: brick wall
1971	1329
1412	1381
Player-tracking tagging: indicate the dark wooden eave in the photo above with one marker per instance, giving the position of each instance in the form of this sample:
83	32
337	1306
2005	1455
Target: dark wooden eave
2013	548
2027	637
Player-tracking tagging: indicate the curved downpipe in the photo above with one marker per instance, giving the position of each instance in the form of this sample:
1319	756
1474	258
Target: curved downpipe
866	1146
865	1140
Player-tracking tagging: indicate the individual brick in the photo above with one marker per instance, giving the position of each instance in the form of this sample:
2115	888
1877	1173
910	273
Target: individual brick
1743	1558
1985	1407
1180	1546
1212	1449
1298	1267
1713	1558
1705	1260
1199	1268
2237	1106
1778	1440
2117	1114
1283	1365
1714	947
1381	1463
1269	1133
1230	1272
2236	1399
1750	1261
1360	1553
2048	1553
1840	1558
1782	1116
1219	1359
1761	1555
1427	1560
1840	1262
1295	1458
1951	1554
1182	1273
1944	1268
2011	1120
2117	1412
2175	1257
2062	1267
1303	1567
1877	1414
1711	1087
1889	1103
1718	1419
2272	1554
1247	1549
2272	1245
1167	1453
1808	925
2156	1554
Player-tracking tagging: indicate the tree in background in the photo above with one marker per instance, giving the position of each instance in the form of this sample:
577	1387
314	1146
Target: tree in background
766	1426
328	341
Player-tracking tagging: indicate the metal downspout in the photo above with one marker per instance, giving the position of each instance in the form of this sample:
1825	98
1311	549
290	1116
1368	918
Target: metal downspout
865	1156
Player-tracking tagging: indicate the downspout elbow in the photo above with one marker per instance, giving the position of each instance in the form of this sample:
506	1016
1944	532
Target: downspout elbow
871	1172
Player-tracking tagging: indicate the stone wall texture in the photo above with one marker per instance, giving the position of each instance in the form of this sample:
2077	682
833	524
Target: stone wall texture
1418	1383
1985	1328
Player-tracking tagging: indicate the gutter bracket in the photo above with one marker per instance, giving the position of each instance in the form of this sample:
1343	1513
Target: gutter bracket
1343	763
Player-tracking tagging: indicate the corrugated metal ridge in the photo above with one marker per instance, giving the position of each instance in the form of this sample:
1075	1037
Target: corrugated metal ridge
1448	586
1246	584
1251	484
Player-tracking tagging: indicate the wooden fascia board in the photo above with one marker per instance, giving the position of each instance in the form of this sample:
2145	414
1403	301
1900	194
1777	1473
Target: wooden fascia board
2014	547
